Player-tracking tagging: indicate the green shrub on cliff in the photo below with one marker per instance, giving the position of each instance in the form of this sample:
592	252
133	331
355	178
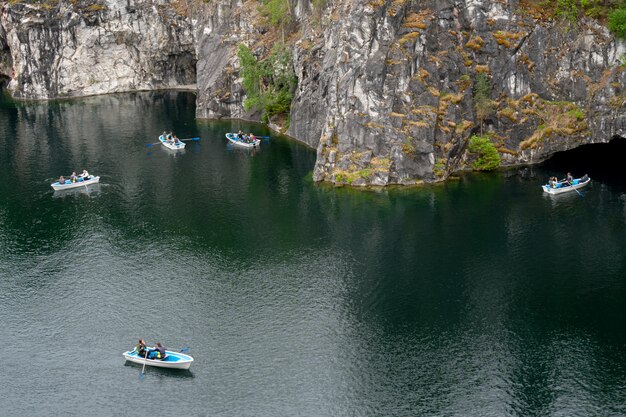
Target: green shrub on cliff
487	156
277	13
268	83
617	22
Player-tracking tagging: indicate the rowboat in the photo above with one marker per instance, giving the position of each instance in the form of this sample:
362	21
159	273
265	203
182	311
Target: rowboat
171	145
172	360
80	182
235	139
564	187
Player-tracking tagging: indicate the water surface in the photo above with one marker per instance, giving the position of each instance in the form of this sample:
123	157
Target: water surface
478	297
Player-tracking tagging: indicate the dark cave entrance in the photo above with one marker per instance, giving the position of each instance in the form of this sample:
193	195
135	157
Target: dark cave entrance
4	81
602	161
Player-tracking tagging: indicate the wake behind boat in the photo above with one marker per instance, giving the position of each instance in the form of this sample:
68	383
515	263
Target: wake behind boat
564	186
173	144
243	140
79	182
172	360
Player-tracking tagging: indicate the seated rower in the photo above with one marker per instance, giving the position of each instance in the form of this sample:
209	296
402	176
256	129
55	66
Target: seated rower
140	348
85	174
73	177
157	353
61	180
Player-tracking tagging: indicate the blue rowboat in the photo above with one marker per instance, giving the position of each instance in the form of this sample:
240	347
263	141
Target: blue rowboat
564	186
172	360
236	140
80	182
171	145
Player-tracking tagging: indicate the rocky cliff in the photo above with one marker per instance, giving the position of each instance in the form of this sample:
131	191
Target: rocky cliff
386	89
75	48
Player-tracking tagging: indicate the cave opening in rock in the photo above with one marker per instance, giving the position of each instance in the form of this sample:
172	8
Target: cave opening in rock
602	161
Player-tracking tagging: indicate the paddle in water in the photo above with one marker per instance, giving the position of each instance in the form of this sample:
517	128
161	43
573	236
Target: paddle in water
191	139
572	185
145	359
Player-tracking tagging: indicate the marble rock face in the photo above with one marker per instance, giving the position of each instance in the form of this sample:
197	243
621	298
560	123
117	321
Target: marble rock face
395	81
77	49
386	89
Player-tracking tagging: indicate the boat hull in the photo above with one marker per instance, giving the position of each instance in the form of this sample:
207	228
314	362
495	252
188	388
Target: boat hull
69	185
232	137
560	190
173	360
170	145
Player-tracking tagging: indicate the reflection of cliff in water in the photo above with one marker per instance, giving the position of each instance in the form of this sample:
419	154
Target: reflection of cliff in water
84	132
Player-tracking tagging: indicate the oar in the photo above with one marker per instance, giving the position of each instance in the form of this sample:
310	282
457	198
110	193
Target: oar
190	139
572	185
145	359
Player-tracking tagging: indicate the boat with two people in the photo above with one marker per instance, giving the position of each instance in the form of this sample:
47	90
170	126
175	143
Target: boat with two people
171	141
158	356
241	139
555	186
75	181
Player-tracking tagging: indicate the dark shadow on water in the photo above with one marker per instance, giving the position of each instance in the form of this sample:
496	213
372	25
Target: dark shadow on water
89	191
161	372
173	153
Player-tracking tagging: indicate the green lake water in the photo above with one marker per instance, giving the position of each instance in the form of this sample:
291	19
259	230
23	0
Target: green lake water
478	297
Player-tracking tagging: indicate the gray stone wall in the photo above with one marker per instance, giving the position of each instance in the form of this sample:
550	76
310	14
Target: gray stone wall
84	48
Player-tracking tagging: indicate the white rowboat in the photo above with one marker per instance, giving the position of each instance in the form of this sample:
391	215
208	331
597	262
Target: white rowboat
564	186
236	140
81	182
172	360
171	145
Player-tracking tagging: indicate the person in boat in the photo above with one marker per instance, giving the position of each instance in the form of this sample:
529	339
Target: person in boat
569	178
584	178
176	140
252	137
61	180
240	134
140	348
73	177
158	352
551	182
85	174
